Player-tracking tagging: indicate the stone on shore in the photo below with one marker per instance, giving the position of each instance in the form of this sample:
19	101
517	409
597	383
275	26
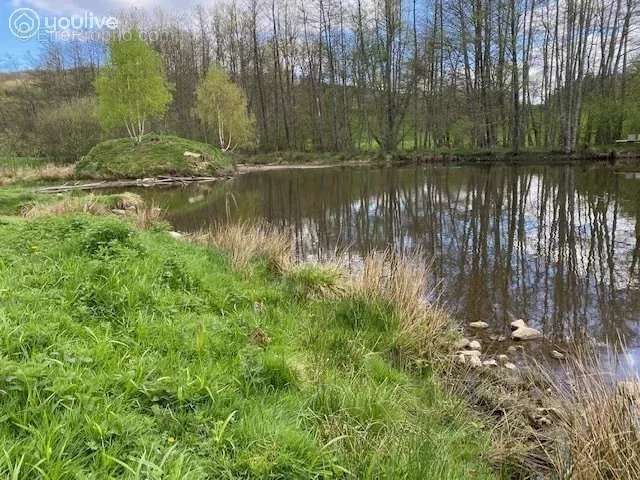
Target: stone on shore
518	324
461	344
557	355
475	345
475	361
469	353
479	325
526	333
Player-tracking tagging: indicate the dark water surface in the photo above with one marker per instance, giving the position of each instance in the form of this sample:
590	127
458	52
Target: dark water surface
556	245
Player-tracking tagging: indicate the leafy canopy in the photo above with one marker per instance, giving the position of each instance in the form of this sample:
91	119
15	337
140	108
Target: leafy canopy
222	107
132	87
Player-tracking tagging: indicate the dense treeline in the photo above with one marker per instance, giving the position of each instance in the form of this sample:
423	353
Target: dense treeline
334	75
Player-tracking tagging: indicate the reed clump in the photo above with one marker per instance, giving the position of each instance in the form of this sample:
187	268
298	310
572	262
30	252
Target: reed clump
128	205
246	241
400	281
599	422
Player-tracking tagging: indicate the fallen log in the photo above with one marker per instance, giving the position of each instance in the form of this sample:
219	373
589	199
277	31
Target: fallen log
140	182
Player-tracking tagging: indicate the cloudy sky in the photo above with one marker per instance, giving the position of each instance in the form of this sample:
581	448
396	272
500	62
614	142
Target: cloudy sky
14	52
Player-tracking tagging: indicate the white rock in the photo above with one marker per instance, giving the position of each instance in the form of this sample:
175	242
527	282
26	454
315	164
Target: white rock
525	333
175	235
510	366
192	155
557	355
475	345
490	363
479	325
512	349
518	324
475	362
462	343
461	359
469	353
119	211
503	358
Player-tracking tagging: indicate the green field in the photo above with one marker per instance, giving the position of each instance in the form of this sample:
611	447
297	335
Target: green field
128	354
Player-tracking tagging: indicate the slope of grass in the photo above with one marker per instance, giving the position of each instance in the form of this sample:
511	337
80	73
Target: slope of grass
127	354
155	155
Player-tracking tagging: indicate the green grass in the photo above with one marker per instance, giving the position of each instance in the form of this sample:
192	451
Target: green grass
128	354
14	197
155	155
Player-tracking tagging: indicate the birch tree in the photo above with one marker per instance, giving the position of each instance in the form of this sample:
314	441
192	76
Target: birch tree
131	88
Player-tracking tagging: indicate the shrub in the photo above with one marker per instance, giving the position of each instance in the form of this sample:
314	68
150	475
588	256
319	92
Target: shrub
104	236
68	131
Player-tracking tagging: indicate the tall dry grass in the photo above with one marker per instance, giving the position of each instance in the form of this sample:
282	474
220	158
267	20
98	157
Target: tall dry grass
90	204
245	241
579	423
397	280
127	205
599	422
48	172
401	280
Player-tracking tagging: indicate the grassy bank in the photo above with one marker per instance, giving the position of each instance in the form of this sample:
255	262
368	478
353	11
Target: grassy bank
609	153
129	354
156	155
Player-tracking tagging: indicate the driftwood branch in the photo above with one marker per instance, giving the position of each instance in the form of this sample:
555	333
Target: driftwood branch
140	182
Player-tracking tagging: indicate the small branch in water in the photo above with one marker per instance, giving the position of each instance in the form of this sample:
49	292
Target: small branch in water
140	182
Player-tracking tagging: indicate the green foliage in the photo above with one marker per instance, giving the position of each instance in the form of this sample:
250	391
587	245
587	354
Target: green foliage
131	88
69	130
632	104
141	363
12	199
106	236
603	117
154	155
222	107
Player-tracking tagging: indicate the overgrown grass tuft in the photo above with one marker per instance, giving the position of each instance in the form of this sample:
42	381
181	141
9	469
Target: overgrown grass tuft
598	435
127	354
128	205
244	242
400	281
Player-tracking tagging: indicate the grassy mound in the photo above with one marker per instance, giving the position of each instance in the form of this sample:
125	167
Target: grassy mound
128	354
155	155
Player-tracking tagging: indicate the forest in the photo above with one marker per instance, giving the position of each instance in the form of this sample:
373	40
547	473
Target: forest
360	75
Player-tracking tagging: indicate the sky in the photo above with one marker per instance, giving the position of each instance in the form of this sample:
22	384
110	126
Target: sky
18	54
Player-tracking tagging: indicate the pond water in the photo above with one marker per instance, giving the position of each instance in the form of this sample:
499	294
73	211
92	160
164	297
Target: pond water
556	245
